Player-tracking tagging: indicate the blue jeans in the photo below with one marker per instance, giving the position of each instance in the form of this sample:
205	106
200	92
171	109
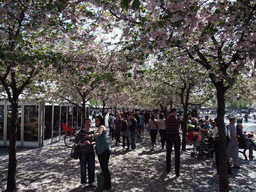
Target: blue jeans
133	144
89	160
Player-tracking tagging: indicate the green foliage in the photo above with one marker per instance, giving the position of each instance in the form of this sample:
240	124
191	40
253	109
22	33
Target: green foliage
125	4
136	4
128	58
209	30
129	74
178	23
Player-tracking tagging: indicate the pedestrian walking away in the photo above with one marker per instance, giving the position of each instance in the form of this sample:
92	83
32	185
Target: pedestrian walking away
132	123
125	133
162	130
153	129
172	135
117	129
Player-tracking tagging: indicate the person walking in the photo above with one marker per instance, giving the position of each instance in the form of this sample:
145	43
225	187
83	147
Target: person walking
117	128
86	154
103	150
125	132
111	128
172	136
162	129
153	129
132	123
140	125
233	143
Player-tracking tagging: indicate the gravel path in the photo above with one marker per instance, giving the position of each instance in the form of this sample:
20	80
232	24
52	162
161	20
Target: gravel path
51	169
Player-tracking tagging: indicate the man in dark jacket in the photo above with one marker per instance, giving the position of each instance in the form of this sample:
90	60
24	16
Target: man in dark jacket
172	131
133	126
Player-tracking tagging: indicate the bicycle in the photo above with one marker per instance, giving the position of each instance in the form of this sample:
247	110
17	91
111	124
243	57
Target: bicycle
70	136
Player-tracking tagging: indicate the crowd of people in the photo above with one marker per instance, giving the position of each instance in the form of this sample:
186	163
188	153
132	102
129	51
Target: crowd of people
132	126
236	138
128	128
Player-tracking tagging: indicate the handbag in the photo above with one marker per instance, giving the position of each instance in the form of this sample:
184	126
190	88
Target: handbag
74	153
100	181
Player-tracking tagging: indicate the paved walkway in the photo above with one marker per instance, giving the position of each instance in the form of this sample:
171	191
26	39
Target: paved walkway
50	169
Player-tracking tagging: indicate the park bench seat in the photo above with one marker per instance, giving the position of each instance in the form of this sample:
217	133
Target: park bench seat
243	149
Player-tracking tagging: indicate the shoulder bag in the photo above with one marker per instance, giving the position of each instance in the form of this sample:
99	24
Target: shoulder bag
74	153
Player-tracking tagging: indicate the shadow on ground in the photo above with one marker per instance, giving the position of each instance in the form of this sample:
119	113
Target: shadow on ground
51	169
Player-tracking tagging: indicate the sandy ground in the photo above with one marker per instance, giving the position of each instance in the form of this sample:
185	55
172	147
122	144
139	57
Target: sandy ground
51	169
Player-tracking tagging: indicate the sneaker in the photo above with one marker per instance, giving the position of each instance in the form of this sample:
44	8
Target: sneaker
83	185
92	184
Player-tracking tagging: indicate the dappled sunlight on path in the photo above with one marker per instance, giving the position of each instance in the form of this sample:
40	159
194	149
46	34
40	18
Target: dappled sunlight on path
51	169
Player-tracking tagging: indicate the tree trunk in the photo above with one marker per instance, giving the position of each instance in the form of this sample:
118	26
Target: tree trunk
11	180
170	104
185	92
223	159
83	113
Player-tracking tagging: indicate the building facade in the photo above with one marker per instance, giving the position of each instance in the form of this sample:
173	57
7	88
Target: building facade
39	123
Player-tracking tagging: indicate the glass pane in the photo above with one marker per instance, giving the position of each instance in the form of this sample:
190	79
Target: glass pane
70	115
75	117
56	121
79	117
9	114
31	123
63	117
1	122
48	122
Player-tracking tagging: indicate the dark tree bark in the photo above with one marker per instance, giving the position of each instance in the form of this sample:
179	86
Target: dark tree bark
223	158
185	93
83	111
12	167
103	110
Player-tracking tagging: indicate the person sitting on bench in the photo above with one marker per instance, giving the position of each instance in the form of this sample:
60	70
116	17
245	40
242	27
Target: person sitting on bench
244	141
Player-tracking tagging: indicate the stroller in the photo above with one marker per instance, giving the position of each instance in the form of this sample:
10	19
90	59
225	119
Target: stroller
201	146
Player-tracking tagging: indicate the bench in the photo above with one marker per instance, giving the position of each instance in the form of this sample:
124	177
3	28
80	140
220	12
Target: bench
243	151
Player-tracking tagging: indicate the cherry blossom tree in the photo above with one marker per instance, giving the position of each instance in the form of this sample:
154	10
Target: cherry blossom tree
31	33
243	89
24	55
84	76
190	87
